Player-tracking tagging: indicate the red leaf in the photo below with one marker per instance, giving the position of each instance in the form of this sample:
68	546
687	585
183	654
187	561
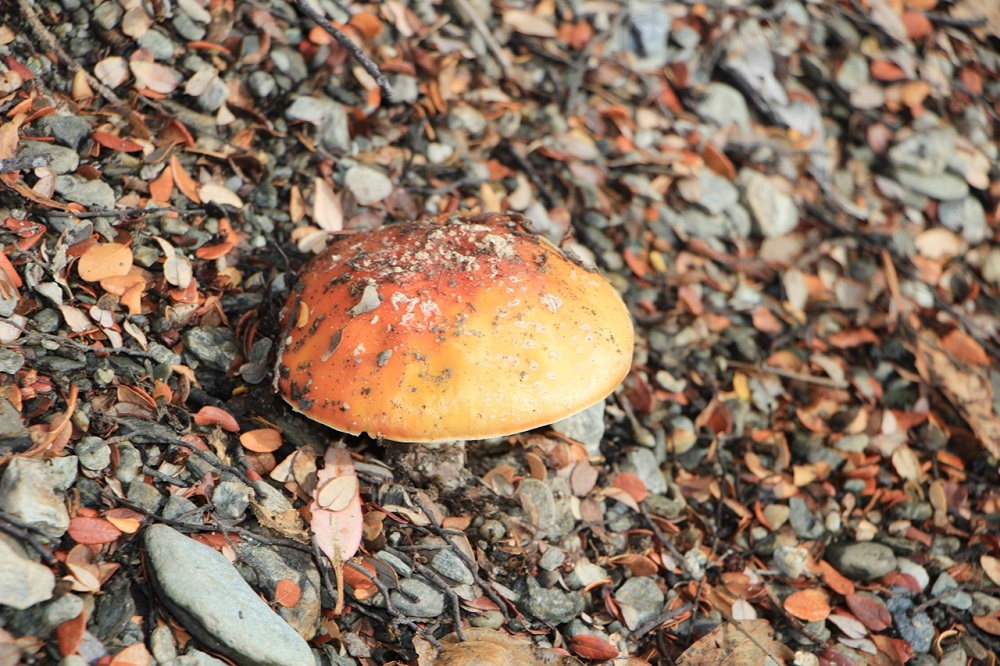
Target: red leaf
631	484
92	531
69	634
869	612
116	142
592	647
209	415
287	593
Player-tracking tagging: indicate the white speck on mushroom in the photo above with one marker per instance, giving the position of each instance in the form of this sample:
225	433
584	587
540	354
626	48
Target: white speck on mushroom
514	303
429	309
502	248
552	302
359	350
369	300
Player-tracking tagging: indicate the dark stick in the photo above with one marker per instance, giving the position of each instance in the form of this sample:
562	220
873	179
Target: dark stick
27	162
348	44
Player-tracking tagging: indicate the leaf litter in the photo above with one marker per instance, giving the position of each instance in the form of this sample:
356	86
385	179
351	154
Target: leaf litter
798	202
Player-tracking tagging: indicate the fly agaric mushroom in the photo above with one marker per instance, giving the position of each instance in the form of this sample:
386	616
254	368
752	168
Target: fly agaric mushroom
450	329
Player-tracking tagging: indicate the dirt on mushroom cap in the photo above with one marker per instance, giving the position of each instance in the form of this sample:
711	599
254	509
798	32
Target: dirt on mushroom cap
450	329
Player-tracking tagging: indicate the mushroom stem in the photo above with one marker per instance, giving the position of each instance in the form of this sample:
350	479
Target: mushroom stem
441	463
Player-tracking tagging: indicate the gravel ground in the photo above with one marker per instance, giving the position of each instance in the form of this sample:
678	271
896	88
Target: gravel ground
798	202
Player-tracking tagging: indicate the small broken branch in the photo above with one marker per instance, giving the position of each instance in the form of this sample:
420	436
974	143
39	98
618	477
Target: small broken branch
348	43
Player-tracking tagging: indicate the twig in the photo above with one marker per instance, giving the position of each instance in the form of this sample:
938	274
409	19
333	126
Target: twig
67	342
797	376
579	67
347	43
484	31
46	36
435	578
23	532
466	560
26	162
660	619
128	212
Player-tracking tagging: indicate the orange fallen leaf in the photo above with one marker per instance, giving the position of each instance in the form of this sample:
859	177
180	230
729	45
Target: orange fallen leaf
209	415
134	655
162	186
287	593
185	183
262	440
886	70
964	348
368	25
104	261
810	605
592	647
116	142
69	634
631	484
835	580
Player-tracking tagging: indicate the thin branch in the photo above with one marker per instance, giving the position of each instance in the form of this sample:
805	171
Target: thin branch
50	41
26	162
796	376
348	43
466	560
484	31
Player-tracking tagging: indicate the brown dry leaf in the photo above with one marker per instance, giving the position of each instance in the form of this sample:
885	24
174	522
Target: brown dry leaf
112	71
209	415
185	183
287	593
328	213
965	387
870	612
104	261
812	605
262	440
751	642
219	194
527	23
486	647
964	348
991	565
154	76
134	655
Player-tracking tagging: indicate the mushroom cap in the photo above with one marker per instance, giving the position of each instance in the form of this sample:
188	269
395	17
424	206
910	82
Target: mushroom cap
455	328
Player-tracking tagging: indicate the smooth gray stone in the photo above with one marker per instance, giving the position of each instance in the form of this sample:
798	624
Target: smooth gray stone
211	600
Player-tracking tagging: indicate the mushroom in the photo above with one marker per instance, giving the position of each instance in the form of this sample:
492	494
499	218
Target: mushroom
455	328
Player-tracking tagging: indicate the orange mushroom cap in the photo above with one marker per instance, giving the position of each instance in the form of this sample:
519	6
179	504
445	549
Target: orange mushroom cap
455	328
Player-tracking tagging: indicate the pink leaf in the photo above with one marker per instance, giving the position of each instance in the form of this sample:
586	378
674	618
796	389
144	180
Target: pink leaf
338	532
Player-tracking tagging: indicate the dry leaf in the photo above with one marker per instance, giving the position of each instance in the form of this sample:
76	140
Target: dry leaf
328	213
104	261
527	23
154	76
112	71
338	493
92	531
338	533
209	415
812	605
870	612
219	194
991	565
750	642
262	440
287	593
965	387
